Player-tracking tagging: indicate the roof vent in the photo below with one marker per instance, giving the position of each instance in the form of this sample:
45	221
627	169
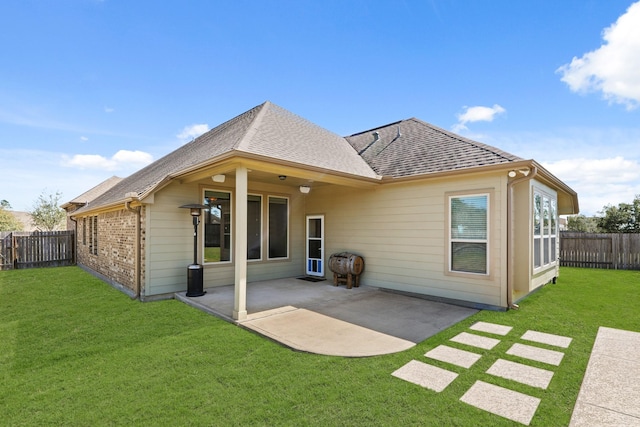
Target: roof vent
399	134
376	136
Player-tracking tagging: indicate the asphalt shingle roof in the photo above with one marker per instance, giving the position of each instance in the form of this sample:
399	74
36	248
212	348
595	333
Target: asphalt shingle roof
266	130
413	147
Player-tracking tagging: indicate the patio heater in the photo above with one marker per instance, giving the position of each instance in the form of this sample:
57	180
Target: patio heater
194	271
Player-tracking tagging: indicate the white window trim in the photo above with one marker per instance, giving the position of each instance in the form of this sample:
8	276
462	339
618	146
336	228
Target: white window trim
553	233
485	241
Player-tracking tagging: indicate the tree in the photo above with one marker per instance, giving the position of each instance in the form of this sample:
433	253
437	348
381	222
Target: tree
582	224
47	214
624	218
8	222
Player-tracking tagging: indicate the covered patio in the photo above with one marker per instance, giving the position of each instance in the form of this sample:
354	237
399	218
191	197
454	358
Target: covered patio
318	317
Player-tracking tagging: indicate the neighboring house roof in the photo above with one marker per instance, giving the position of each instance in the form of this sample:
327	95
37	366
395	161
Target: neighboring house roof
25	219
413	147
91	194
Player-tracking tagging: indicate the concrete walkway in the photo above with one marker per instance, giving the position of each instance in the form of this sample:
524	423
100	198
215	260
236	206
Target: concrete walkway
610	392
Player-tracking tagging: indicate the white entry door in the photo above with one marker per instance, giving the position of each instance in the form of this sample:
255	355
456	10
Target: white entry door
315	245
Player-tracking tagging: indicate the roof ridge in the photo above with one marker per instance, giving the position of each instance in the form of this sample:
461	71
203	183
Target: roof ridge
376	128
480	145
252	129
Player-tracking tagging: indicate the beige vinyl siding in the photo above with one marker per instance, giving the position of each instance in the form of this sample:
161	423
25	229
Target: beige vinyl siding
523	239
169	239
399	229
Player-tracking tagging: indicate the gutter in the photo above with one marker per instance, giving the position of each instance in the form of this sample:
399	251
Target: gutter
137	273
528	175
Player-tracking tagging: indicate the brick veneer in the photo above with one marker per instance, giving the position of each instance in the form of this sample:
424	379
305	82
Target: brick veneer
116	253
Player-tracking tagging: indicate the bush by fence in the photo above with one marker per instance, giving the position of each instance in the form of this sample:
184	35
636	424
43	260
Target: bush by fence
37	249
617	251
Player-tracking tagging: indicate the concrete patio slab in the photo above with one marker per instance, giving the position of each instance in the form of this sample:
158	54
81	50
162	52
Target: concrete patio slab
475	340
538	354
544	338
403	316
454	356
425	375
312	332
506	403
491	328
612	381
524	374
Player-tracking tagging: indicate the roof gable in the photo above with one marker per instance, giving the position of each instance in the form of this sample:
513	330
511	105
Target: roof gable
413	147
283	135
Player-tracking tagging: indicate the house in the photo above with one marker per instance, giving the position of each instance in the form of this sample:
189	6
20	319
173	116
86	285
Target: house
431	212
87	197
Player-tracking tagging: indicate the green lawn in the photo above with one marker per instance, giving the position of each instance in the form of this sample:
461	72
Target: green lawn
75	352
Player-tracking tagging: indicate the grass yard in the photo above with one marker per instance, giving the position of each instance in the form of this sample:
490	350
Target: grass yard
75	352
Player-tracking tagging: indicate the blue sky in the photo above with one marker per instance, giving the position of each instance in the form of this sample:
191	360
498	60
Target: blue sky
90	89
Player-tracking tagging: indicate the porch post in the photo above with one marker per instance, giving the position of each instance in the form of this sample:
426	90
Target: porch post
240	251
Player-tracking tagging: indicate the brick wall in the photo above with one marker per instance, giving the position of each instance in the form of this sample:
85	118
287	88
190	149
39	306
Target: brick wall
116	251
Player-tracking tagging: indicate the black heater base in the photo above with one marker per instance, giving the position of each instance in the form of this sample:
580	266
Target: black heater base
194	281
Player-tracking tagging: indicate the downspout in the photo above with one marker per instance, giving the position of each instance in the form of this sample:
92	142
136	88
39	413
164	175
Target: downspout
528	175
137	283
75	239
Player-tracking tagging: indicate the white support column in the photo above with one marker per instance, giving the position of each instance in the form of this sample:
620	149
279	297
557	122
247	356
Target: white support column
240	251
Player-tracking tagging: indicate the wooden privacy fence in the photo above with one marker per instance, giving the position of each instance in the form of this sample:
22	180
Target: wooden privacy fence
599	250
37	249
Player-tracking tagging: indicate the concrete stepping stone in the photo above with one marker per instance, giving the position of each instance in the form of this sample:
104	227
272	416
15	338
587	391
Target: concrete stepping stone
544	338
538	354
462	358
491	328
506	403
524	374
475	340
425	375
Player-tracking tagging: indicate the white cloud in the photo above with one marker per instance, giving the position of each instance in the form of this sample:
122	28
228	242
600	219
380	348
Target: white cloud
193	131
122	160
612	68
109	110
599	182
84	138
477	114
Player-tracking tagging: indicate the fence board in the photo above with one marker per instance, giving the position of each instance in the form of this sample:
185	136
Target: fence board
619	251
38	249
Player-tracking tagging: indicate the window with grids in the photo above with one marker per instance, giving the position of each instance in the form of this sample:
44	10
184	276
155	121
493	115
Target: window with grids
468	233
545	229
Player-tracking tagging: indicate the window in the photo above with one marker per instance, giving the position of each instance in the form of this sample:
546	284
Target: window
84	231
93	235
254	227
278	227
217	226
545	229
468	233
